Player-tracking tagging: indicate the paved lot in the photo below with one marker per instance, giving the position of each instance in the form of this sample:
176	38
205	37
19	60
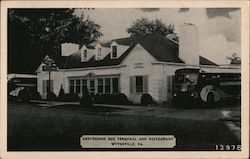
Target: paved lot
41	128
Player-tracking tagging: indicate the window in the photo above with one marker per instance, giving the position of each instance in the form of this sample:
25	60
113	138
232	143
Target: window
100	85
99	51
107	85
99	54
78	86
84	55
139	84
71	86
84	86
92	87
115	85
114	51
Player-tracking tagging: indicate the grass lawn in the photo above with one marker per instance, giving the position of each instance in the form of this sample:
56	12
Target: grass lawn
36	128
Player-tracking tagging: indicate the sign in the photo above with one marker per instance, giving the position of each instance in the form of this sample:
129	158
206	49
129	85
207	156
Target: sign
48	61
49	68
128	141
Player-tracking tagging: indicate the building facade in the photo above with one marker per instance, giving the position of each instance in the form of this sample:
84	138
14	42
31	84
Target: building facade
133	66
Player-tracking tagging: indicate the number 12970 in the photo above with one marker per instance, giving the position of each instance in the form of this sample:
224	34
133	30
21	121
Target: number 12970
228	147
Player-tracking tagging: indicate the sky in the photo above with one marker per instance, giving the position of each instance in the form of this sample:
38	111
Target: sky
219	29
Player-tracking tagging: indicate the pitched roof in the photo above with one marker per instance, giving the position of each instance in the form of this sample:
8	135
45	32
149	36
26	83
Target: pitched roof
74	61
161	48
204	61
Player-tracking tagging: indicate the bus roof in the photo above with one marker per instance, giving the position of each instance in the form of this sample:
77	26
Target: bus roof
187	70
198	70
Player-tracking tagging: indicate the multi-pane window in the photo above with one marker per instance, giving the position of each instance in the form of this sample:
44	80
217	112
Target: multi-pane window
92	86
139	84
71	86
84	86
98	55
100	85
107	85
103	85
114	51
84	55
78	86
99	51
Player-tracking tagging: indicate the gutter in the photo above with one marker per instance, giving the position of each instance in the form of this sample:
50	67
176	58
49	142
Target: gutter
91	68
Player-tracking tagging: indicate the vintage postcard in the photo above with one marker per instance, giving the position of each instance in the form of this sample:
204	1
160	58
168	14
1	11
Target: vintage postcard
124	79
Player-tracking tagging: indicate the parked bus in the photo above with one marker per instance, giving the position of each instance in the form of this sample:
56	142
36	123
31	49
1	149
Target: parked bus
19	82
196	84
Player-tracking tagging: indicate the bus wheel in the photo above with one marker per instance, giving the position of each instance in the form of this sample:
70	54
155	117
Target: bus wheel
210	99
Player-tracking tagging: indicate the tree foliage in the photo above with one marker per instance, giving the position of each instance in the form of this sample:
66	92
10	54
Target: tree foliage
33	33
234	59
146	27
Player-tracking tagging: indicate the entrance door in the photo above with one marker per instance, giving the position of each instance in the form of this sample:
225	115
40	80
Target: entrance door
92	86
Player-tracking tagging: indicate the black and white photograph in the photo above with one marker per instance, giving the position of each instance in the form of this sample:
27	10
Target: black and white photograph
135	79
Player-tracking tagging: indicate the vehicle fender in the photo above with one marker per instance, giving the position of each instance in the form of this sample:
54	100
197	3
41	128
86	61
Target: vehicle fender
207	89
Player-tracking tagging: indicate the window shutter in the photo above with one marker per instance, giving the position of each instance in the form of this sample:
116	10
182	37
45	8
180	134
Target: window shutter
132	84
51	86
145	84
169	84
172	84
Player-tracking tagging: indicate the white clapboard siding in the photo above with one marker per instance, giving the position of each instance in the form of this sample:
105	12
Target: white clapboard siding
145	84
132	84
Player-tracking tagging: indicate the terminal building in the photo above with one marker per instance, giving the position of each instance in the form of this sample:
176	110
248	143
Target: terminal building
133	66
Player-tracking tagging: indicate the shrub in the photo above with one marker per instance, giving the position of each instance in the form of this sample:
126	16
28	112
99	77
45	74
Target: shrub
24	95
146	99
36	96
51	96
111	99
68	97
86	101
61	94
120	99
97	98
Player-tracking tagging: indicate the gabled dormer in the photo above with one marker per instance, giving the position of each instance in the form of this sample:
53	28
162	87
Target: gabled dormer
84	54
114	50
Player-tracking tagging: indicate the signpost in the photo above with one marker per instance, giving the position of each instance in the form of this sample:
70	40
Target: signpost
50	66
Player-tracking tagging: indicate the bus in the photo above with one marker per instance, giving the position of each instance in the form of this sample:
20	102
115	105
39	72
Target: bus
19	82
191	84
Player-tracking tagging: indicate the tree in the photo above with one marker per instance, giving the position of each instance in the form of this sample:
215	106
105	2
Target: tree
33	33
145	27
234	59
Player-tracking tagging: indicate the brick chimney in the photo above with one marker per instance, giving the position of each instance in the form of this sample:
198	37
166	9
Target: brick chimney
189	44
68	48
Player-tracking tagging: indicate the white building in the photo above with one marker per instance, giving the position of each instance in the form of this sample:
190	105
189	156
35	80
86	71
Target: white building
133	66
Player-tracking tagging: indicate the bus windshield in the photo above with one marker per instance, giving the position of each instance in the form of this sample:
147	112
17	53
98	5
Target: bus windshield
186	78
